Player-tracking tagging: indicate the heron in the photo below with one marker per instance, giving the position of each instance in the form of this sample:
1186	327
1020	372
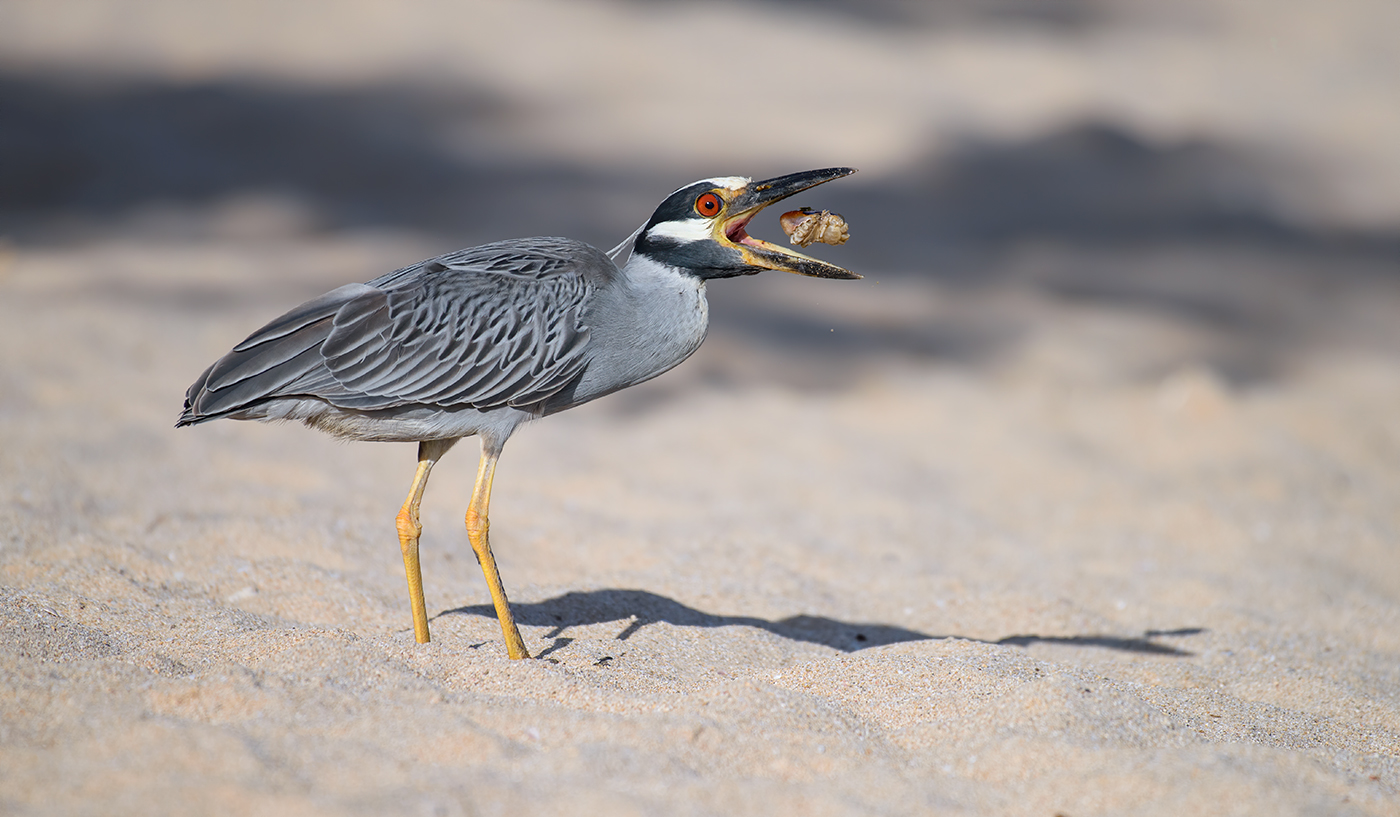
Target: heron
478	341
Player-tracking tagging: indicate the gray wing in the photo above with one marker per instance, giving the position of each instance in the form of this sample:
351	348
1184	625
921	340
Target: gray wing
496	325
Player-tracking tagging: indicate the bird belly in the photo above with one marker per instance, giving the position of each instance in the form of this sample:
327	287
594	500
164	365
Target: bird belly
410	423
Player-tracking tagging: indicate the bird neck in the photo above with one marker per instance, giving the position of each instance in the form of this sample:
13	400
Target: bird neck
643	267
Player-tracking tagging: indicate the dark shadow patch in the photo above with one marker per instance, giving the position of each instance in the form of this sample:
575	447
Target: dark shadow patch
1054	16
1109	642
1091	184
559	644
83	154
89	156
641	608
1194	233
1182	631
89	150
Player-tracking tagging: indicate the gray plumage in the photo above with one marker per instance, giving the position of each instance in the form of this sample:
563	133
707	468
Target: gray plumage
484	338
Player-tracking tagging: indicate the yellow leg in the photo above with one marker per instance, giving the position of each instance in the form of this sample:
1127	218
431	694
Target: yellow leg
410	530
478	528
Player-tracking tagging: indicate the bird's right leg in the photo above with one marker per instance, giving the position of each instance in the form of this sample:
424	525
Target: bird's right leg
478	531
429	452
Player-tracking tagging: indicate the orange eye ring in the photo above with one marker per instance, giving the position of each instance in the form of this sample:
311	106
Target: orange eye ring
709	205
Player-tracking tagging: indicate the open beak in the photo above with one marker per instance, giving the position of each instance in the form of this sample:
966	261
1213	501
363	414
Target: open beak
761	254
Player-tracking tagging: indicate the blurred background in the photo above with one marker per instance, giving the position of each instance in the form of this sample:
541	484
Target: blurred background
1116	402
1068	189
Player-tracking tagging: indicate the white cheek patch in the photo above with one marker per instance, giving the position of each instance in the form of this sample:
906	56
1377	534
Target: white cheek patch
685	231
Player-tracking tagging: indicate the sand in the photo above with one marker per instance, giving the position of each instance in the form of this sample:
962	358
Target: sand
1084	502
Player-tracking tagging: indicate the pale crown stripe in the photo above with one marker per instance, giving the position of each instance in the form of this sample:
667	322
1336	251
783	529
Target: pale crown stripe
727	182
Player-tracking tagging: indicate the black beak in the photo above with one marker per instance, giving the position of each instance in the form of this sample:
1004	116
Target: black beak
763	255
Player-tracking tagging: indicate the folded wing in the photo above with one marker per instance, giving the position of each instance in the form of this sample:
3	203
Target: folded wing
496	325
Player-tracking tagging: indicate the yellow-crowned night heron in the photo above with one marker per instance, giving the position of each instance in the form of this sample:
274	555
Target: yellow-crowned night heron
480	340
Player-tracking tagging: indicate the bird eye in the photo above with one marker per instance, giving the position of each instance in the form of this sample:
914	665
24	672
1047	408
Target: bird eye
708	205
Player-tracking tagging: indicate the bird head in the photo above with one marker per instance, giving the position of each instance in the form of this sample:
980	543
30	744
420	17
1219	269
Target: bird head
700	228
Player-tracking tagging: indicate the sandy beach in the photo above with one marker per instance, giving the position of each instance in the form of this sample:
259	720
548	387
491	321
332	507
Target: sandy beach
1085	501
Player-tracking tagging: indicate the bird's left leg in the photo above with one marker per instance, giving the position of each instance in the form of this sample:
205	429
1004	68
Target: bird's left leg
429	452
478	530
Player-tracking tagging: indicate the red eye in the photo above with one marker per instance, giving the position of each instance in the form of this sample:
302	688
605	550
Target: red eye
708	205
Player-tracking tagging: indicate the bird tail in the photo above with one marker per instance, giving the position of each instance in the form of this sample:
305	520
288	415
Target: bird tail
267	364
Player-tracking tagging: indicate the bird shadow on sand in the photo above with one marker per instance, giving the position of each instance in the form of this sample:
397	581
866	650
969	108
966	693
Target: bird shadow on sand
579	609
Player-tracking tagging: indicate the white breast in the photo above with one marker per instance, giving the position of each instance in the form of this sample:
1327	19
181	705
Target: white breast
653	318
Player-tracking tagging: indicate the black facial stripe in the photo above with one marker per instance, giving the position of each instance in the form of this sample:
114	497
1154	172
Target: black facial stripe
705	254
680	205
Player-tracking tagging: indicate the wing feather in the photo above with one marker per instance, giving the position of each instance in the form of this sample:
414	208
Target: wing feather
309	312
496	325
